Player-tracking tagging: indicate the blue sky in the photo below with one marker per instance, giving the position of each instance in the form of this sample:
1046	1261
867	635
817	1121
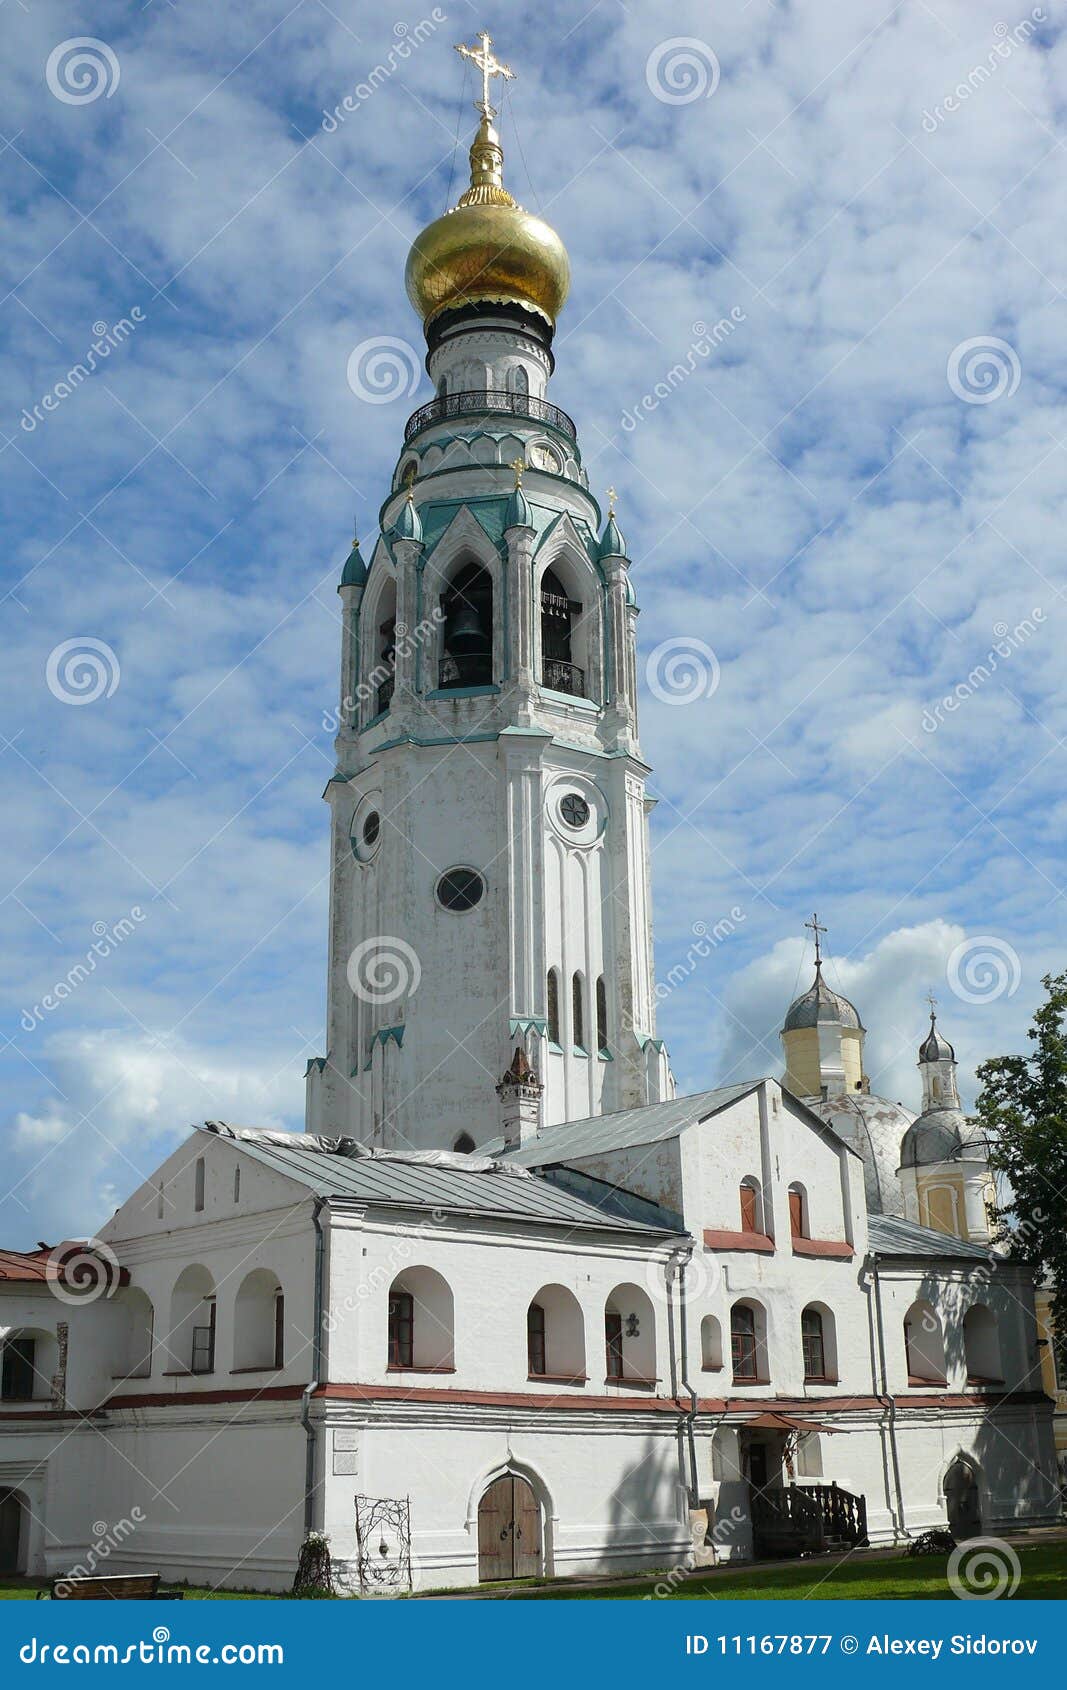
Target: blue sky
832	501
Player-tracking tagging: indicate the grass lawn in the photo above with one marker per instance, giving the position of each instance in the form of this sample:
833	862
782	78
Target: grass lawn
13	1589
1044	1574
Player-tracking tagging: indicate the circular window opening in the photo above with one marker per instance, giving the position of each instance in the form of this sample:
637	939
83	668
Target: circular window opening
574	810
372	827
460	889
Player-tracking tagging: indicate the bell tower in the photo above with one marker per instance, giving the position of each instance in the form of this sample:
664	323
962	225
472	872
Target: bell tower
490	857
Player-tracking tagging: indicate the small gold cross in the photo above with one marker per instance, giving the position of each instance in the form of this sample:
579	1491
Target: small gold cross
518	465
612	496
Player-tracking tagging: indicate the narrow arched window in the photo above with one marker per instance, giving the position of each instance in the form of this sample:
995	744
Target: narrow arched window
467	606
811	1337
578	1012
553	1006
744	1353
520	381
535	1340
237	1183
198	1185
558	617
750	1206
798	1212
601	1014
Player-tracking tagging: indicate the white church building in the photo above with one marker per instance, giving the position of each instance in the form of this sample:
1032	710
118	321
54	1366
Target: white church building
508	1306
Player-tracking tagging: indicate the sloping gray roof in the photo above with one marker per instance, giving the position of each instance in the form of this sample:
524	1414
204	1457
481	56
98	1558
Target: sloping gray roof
438	1181
891	1236
650	1124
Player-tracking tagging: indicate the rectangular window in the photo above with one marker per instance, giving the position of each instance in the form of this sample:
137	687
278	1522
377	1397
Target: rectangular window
198	1185
577	1012
814	1350
553	1007
613	1343
743	1344
401	1329
203	1355
19	1369
749	1218
237	1183
279	1330
796	1215
535	1340
601	1014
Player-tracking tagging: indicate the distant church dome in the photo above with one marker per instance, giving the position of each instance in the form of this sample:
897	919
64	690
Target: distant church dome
933	1137
820	1003
934	1048
487	249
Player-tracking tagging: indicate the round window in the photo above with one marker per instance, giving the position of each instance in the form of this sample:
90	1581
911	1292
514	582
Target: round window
460	889
372	827
574	809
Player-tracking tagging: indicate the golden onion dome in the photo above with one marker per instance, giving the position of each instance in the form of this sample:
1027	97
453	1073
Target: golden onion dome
487	249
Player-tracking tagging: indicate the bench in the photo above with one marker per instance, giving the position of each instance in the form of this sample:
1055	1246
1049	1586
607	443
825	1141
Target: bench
118	1587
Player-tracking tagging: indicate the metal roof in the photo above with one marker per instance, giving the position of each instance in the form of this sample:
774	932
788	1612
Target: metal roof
891	1236
340	1168
650	1124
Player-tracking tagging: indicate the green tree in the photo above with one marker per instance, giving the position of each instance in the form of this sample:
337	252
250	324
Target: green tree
1022	1108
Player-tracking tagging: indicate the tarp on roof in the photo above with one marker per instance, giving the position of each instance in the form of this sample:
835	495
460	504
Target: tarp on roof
404	1182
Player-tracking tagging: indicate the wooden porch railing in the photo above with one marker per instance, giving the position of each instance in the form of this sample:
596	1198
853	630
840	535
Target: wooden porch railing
802	1519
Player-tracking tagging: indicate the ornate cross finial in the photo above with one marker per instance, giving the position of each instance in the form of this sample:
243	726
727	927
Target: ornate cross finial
932	1001
612	496
355	530
518	465
489	66
817	930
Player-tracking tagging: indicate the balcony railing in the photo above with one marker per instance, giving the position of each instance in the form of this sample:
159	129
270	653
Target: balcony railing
563	677
477	403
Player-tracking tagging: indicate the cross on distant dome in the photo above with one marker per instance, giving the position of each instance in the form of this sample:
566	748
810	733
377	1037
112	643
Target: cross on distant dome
612	496
932	1001
518	465
816	929
489	66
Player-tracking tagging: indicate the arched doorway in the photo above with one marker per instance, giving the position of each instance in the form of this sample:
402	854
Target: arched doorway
962	1500
10	1532
509	1531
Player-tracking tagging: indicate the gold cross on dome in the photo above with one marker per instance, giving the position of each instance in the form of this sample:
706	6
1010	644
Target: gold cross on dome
518	466
612	496
816	929
489	66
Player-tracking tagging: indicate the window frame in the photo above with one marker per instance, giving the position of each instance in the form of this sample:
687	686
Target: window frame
744	1345
536	1347
613	1346
401	1335
813	1346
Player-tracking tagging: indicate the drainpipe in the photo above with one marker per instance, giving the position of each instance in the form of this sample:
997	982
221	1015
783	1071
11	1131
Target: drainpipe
310	1486
884	1397
679	1261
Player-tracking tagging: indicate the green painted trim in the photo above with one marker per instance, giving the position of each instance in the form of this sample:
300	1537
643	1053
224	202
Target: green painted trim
604	1056
463	692
442	739
589	705
557	1049
526	1024
380	717
577	1050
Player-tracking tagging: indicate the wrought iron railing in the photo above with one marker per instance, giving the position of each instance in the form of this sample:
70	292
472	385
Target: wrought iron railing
563	677
475	403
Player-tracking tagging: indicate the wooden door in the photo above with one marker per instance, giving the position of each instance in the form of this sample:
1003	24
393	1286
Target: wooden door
527	1537
509	1531
10	1531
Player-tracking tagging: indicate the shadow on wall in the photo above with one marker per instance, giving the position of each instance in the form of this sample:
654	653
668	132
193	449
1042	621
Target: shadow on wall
645	1510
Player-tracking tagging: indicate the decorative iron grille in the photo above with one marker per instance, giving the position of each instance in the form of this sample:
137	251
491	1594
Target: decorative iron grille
383	1539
